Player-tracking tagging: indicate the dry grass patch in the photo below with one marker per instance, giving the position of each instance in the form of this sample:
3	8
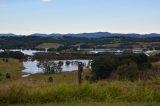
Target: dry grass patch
49	45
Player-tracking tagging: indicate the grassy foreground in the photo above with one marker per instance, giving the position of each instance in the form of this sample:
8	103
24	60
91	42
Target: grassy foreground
91	104
21	92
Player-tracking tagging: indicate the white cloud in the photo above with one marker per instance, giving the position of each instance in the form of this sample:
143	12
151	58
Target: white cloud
46	0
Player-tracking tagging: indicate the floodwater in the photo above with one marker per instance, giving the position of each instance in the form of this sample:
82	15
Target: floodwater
31	67
26	52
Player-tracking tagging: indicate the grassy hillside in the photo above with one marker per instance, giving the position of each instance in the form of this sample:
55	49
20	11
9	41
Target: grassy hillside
49	45
12	66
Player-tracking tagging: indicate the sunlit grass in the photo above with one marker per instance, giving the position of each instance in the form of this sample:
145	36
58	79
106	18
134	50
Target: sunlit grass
49	45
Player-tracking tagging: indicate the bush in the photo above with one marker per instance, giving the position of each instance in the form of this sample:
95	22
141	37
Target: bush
6	60
128	72
50	79
103	66
8	76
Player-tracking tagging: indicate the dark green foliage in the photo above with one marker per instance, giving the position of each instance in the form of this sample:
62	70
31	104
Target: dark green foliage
50	79
63	56
141	60
128	72
11	54
103	66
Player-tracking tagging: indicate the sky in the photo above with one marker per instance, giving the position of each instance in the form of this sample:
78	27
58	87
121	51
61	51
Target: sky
79	16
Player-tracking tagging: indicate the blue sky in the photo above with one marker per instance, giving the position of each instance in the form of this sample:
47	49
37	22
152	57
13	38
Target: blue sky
78	16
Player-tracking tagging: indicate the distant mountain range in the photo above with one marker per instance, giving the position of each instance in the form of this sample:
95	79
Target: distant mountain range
9	34
90	35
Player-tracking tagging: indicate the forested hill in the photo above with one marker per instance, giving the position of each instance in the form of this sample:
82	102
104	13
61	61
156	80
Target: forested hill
34	41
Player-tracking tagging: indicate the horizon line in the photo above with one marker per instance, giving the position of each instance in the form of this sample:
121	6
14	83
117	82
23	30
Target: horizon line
78	33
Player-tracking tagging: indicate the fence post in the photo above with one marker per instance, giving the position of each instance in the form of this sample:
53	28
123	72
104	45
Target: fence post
80	70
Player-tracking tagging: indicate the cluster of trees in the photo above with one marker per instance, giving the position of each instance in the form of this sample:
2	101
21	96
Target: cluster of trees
12	54
123	67
50	67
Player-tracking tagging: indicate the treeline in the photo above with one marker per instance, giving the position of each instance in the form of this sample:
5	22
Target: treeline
64	56
31	42
12	54
123	67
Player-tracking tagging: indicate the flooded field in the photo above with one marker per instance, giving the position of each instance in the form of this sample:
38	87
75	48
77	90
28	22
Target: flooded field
32	67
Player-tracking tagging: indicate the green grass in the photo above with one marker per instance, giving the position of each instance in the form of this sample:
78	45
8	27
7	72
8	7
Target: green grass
92	104
13	67
49	45
21	92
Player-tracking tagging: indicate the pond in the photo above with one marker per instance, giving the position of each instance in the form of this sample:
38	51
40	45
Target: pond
31	67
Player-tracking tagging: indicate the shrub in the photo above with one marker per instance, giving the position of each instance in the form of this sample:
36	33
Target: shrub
50	79
8	76
6	60
128	72
103	66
